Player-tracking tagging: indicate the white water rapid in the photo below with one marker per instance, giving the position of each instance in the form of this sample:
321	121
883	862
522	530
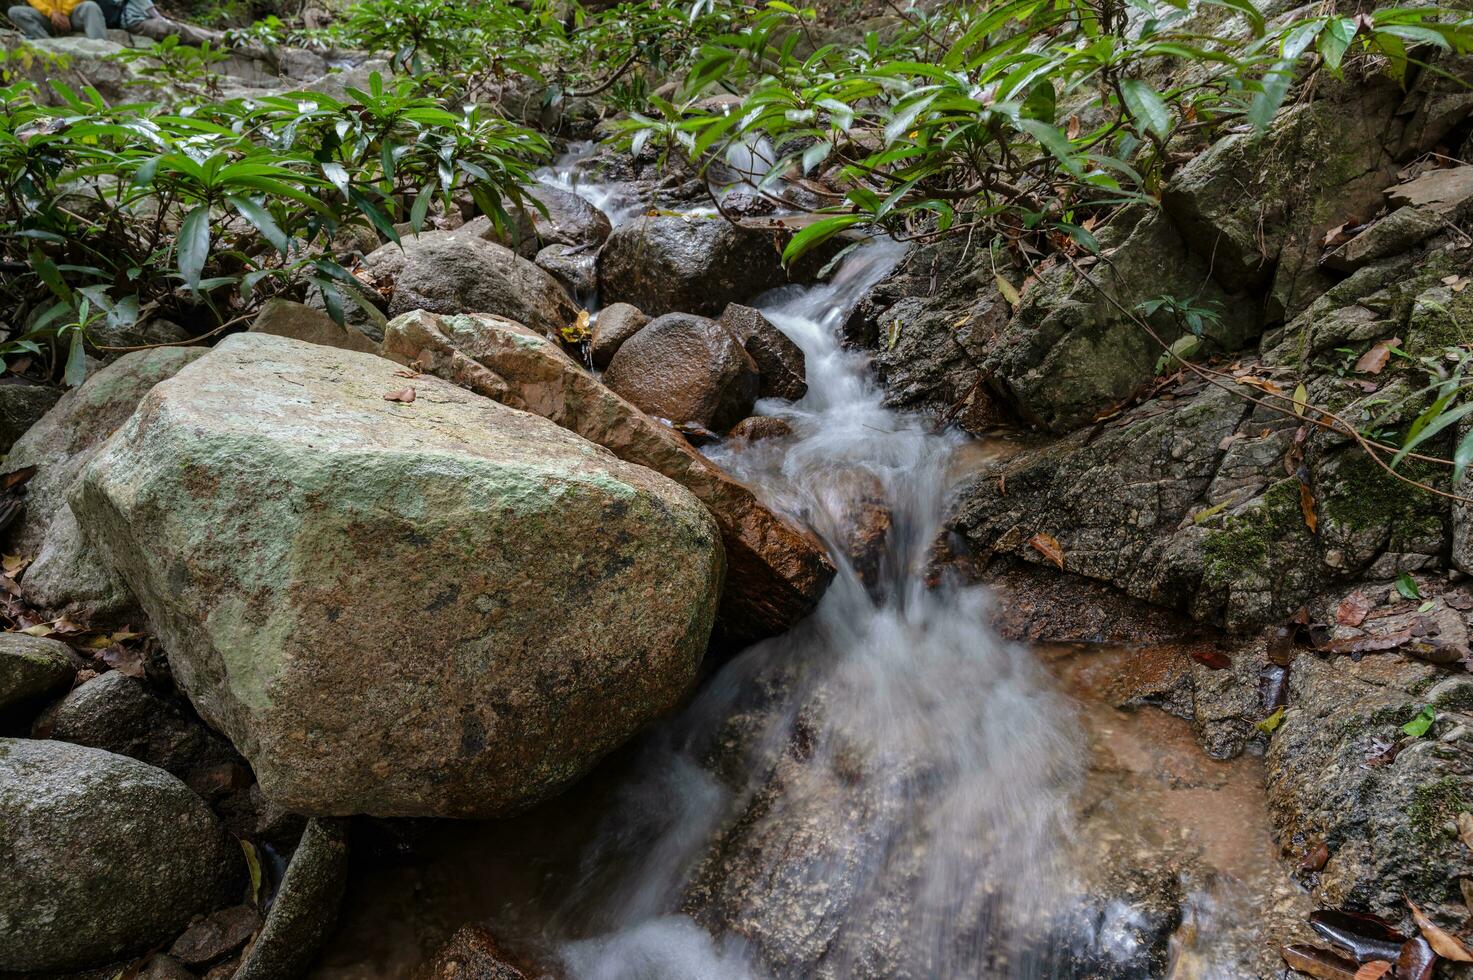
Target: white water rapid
879	793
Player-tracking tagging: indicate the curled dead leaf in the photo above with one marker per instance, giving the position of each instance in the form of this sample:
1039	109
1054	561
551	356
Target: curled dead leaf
1315	858
1368	644
1374	970
1443	943
405	395
1048	546
1373	360
1317	961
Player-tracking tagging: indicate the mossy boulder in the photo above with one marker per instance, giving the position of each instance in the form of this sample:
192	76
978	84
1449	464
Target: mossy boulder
436	607
104	856
31	667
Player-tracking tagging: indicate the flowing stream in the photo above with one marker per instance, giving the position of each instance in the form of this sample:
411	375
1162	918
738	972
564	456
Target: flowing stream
889	790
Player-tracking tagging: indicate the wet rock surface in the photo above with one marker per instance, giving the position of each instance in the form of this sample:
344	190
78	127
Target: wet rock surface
408	535
686	369
616	323
104	856
304	911
780	362
671	263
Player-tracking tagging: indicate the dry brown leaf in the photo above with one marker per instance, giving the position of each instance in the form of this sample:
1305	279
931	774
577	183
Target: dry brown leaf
1072	128
405	395
407	373
1318	962
1352	610
1367	643
1465	828
1306	507
1048	546
1373	360
1466	886
1443	943
1337	236
1374	970
1315	858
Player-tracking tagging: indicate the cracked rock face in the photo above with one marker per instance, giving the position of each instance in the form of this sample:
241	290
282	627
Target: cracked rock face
356	591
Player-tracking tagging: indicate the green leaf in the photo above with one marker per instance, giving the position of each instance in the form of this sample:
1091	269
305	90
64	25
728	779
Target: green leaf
1421	724
261	218
194	245
1146	107
818	233
1270	724
1053	140
1406	587
1275	87
75	371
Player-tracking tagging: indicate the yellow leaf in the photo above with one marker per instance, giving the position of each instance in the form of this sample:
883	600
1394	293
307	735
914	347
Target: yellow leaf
1301	400
1008	292
1048	546
40	629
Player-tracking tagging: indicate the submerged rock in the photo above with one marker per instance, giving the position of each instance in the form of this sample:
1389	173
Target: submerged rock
471	954
686	369
671	263
104	856
776	572
365	613
456	272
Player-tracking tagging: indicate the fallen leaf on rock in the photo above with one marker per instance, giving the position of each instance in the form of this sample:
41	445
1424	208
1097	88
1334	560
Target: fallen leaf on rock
1046	545
1306	507
1456	282
405	395
1419	725
1318	962
1368	643
1270	724
1352	610
1461	601
1465	828
1301	399
11	480
1416	960
13	565
1443	943
1465	885
1381	753
1406	586
125	660
1008	292
1363	936
1337	236
1374	970
407	373
1373	360
1211	658
1315	858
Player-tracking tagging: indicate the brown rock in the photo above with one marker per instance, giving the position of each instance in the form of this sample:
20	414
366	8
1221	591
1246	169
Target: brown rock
780	361
776	573
760	427
673	263
283	318
216	935
471	954
615	324
686	368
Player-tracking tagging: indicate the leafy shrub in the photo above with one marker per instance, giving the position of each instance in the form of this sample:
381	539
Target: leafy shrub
201	211
1011	119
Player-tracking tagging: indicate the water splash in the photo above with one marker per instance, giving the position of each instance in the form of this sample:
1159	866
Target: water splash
879	792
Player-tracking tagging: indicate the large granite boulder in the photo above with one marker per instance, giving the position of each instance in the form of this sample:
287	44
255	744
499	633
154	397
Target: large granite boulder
776	573
671	263
437	606
686	369
104	856
67	578
458	272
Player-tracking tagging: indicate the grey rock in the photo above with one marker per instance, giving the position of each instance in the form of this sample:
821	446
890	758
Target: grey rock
67	578
123	714
284	318
616	323
1446	191
575	266
215	936
679	264
382	646
31	668
111	342
454	272
570	220
104	856
305	909
22	406
780	362
1396	233
686	369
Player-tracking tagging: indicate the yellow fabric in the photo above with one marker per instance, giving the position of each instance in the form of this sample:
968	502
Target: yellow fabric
48	7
